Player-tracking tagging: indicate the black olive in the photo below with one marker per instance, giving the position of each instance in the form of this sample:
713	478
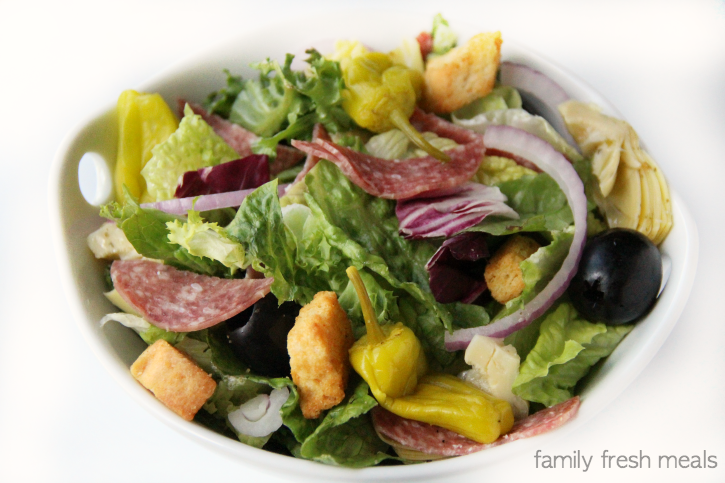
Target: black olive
618	277
259	337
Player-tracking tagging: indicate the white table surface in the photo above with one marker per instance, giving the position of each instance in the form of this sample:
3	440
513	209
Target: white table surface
62	419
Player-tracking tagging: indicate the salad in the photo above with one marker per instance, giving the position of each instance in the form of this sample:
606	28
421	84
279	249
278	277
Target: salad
381	257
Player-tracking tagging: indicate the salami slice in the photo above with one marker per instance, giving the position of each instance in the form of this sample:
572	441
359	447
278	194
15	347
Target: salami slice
182	301
437	441
318	132
404	178
241	140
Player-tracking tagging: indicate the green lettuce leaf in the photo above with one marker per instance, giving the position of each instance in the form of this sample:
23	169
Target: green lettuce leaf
343	436
520	119
369	221
393	144
538	200
345	227
147	331
263	105
153	333
299	127
352	140
203	239
409	55
567	347
289	175
322	83
494	170
147	231
596	222
221	101
361	225
268	242
346	437
284	104
444	37
501	97
192	146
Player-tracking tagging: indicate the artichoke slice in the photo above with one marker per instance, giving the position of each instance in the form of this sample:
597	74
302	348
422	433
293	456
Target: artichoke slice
623	206
633	191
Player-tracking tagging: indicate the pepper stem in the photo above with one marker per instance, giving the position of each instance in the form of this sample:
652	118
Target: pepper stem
401	122
375	335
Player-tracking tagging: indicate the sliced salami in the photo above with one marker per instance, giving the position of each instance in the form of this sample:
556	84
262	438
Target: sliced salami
318	132
437	441
241	140
182	301
404	178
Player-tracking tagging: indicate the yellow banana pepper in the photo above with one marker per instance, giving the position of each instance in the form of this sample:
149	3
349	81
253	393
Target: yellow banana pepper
144	120
451	403
381	95
392	362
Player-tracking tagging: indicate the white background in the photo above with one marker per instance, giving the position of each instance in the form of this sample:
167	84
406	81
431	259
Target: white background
61	416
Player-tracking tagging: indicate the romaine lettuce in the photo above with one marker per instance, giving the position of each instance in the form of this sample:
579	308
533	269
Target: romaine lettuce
345	227
520	119
567	347
192	146
538	200
221	101
501	97
208	240
444	37
146	230
494	170
285	104
346	437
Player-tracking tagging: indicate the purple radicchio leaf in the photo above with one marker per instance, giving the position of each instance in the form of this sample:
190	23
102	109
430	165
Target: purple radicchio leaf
444	213
456	269
244	173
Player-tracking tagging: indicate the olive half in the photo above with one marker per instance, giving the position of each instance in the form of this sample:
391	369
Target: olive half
259	338
618	278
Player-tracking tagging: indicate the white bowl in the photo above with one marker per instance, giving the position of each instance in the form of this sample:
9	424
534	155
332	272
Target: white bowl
116	347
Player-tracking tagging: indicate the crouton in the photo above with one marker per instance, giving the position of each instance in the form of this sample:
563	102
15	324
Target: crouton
463	74
503	274
174	378
318	346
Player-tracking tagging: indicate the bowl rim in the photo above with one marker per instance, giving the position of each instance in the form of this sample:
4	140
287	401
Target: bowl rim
65	160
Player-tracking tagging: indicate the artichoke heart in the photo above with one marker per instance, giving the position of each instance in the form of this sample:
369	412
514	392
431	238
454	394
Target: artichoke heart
633	193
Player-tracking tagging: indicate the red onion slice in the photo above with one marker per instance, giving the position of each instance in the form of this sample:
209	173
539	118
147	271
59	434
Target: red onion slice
542	93
260	416
179	206
520	143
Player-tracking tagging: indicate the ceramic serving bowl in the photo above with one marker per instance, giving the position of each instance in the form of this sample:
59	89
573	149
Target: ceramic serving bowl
116	347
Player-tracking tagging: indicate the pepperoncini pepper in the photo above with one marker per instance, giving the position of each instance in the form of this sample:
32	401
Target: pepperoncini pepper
381	95
144	120
392	362
389	358
452	403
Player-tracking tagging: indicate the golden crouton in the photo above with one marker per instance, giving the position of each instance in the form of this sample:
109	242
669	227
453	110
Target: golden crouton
503	272
174	379
318	346
463	74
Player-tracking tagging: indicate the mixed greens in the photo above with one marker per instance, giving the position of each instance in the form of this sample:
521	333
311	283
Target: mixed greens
307	238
